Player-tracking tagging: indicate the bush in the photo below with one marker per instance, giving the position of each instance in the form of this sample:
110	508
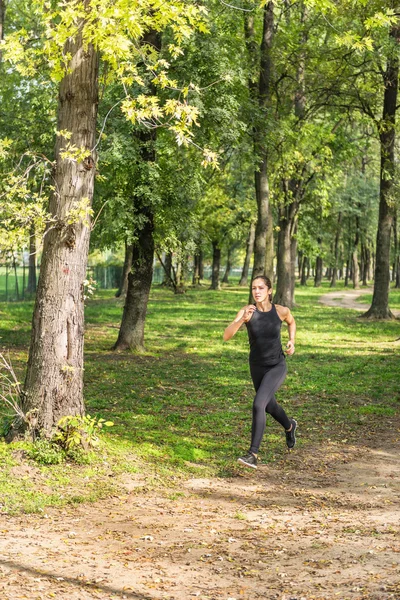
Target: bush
46	452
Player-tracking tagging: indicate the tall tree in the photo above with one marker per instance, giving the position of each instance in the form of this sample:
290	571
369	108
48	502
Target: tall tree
72	40
260	60
380	301
53	383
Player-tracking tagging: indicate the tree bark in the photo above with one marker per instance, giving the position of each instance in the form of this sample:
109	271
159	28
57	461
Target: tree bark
225	278
261	96
31	287
249	251
318	267
196	271
355	267
2	20
215	280
167	265
201	265
380	300
54	380
304	267
123	285
396	259
284	264
131	333
336	251
270	250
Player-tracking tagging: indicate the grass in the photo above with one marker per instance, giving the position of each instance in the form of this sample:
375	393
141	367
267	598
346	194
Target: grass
182	408
394	301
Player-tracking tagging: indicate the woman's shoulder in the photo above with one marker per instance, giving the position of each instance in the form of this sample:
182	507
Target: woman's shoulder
283	311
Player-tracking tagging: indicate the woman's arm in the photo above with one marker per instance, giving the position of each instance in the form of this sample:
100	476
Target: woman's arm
285	314
244	315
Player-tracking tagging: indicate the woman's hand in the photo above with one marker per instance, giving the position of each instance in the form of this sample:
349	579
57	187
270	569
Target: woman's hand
290	348
248	312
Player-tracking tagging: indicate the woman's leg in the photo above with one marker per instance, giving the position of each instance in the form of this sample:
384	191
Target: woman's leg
267	380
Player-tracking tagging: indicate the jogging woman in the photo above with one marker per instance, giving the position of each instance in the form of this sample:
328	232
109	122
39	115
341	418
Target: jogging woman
267	361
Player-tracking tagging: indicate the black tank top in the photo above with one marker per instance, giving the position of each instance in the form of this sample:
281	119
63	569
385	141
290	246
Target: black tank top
264	330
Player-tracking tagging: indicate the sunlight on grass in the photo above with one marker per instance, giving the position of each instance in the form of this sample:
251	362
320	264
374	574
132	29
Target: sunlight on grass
183	407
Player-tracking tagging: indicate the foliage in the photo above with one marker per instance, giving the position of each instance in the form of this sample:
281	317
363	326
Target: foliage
79	431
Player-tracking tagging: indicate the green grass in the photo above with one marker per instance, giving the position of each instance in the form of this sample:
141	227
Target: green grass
394	299
183	407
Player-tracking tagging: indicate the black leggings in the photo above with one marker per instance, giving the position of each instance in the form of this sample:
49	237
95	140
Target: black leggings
266	380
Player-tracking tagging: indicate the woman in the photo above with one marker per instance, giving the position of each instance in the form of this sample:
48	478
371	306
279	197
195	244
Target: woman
267	361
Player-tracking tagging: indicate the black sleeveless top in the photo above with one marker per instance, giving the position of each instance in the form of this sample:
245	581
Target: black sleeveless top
264	330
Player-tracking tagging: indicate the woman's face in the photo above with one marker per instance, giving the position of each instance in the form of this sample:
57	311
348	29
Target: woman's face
260	290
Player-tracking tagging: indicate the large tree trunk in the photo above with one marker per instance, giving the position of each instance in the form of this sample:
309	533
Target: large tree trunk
261	96
31	287
249	251
216	263
131	333
380	301
54	380
123	284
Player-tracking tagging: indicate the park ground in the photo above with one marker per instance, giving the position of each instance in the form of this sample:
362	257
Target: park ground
164	512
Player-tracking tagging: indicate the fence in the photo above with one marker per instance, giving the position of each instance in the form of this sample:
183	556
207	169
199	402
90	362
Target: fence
14	280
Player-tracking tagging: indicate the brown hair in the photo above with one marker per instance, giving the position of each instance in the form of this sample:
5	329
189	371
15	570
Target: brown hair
267	282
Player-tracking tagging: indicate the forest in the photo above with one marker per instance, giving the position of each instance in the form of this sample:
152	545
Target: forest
185	130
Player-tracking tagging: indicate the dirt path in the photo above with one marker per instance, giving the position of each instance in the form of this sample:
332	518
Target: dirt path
321	524
347	299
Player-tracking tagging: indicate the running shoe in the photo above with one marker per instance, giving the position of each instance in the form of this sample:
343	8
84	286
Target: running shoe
249	460
291	435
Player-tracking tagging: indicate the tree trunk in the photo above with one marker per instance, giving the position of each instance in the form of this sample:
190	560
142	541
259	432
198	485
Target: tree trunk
262	97
293	257
318	267
131	333
284	263
31	287
228	267
54	380
2	19
380	301
123	284
196	272
269	250
396	251
336	251
366	263
167	265
300	259
249	251
201	265
355	267
215	282
305	265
